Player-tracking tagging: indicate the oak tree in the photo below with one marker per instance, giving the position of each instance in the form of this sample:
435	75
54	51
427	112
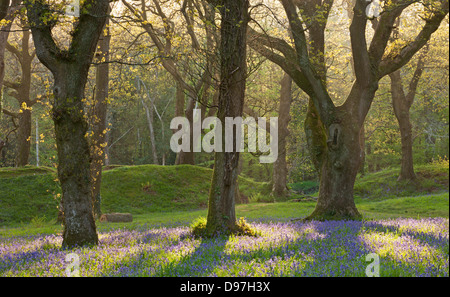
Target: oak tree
335	129
70	70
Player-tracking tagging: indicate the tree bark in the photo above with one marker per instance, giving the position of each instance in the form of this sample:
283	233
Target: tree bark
70	70
73	158
188	158
233	72
340	164
362	143
280	171
23	138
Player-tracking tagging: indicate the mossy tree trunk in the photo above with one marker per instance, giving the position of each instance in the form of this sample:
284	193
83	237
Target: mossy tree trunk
70	70
340	162
233	72
73	158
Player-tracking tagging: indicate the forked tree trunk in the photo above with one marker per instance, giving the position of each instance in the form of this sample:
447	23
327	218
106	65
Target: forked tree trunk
339	162
221	211
70	70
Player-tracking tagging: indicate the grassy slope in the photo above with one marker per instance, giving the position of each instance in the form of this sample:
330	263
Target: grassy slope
150	188
158	195
26	193
384	184
32	193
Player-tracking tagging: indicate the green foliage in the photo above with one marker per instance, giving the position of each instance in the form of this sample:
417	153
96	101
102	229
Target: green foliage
38	222
261	198
242	228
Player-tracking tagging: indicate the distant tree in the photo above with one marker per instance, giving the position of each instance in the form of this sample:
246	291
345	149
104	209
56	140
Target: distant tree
280	170
20	90
165	34
70	69
7	13
402	102
99	113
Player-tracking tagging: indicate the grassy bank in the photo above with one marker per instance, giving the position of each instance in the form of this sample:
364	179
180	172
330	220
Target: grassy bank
160	194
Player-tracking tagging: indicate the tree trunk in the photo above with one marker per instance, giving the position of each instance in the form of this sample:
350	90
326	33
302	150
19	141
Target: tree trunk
99	126
401	109
4	4
362	143
74	158
23	138
24	135
150	117
407	167
339	159
4	34
280	171
70	70
188	157
221	211
340	164
315	136
22	94
183	157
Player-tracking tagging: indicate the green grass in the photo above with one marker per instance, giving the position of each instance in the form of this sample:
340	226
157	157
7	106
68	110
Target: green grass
27	196
25	171
434	205
150	188
380	185
33	193
178	194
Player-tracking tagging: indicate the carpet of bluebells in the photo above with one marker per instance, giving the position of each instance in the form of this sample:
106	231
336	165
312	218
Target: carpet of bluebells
406	247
